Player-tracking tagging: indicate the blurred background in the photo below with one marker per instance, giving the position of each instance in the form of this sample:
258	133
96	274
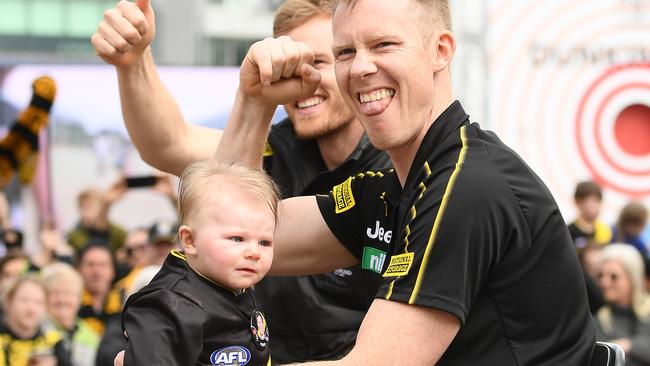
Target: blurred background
564	83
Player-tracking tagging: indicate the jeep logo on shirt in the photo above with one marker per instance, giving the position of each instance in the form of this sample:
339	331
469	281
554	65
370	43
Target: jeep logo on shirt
231	356
379	233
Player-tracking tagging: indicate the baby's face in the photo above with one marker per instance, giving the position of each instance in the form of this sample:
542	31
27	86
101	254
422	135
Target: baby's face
233	237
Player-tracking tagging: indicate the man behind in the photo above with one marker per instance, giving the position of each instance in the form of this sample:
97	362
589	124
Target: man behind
320	144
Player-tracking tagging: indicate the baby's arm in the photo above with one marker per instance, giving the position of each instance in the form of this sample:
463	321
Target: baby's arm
163	328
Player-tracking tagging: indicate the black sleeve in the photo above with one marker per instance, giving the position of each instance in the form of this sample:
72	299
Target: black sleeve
111	344
343	212
163	328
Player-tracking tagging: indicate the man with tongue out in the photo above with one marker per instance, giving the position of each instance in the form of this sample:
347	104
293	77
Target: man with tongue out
480	268
320	144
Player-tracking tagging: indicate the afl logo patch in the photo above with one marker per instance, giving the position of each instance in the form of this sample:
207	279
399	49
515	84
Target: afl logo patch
231	356
259	329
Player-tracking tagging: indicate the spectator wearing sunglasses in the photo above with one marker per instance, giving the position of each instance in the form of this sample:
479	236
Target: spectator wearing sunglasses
625	319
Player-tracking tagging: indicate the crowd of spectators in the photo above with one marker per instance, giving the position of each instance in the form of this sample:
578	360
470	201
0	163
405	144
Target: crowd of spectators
616	264
62	304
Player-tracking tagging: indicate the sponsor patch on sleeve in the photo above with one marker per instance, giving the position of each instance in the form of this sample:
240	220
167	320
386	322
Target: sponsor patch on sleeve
399	265
344	200
373	259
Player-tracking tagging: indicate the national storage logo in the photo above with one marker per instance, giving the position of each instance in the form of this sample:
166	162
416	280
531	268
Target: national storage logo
344	200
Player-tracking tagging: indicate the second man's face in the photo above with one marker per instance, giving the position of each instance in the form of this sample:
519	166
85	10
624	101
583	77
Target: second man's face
326	111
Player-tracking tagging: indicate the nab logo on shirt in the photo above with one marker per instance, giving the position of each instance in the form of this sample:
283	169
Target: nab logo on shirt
231	356
379	233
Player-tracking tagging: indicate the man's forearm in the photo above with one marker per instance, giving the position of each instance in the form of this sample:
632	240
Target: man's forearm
245	135
151	115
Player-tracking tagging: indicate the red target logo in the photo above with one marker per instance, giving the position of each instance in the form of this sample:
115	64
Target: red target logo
613	129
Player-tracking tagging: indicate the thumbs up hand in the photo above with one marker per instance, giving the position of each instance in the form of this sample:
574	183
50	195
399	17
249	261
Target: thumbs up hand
125	32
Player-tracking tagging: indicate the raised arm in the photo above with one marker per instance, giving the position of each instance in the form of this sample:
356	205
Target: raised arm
275	71
156	126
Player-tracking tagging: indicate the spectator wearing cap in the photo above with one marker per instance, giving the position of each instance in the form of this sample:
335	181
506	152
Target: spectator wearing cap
99	302
162	236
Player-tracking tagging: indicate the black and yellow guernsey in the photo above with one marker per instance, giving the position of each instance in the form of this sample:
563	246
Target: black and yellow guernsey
315	317
182	318
475	233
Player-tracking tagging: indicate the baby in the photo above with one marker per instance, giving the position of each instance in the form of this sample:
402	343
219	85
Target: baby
200	309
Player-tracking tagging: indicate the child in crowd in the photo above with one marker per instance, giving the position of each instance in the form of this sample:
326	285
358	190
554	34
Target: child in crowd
199	309
587	228
631	222
22	338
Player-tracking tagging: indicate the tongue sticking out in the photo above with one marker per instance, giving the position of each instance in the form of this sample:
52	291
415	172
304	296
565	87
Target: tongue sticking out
376	102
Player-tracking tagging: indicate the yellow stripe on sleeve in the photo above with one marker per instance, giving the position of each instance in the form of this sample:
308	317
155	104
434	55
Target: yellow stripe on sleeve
441	212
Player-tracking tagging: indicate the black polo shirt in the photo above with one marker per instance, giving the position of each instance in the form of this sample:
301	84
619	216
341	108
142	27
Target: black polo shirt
477	234
182	318
315	317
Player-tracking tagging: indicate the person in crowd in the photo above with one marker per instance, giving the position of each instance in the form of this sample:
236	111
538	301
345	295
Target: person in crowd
163	239
64	286
138	254
587	227
100	303
12	265
93	225
473	231
54	248
227	237
10	237
629	226
625	320
320	144
23	340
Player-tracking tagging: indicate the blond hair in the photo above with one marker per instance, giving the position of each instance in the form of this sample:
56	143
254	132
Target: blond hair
439	8
294	13
60	272
9	291
196	176
630	259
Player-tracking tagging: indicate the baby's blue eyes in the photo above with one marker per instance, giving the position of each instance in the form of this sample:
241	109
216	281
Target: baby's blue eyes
240	239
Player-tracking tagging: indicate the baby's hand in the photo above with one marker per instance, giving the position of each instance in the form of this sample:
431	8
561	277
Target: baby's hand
119	359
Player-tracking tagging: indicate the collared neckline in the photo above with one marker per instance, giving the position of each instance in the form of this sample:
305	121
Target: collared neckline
450	120
177	256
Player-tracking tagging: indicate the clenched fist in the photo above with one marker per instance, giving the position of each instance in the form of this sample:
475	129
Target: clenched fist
278	71
125	32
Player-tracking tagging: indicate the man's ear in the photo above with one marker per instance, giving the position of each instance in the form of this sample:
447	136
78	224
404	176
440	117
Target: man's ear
186	236
445	49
